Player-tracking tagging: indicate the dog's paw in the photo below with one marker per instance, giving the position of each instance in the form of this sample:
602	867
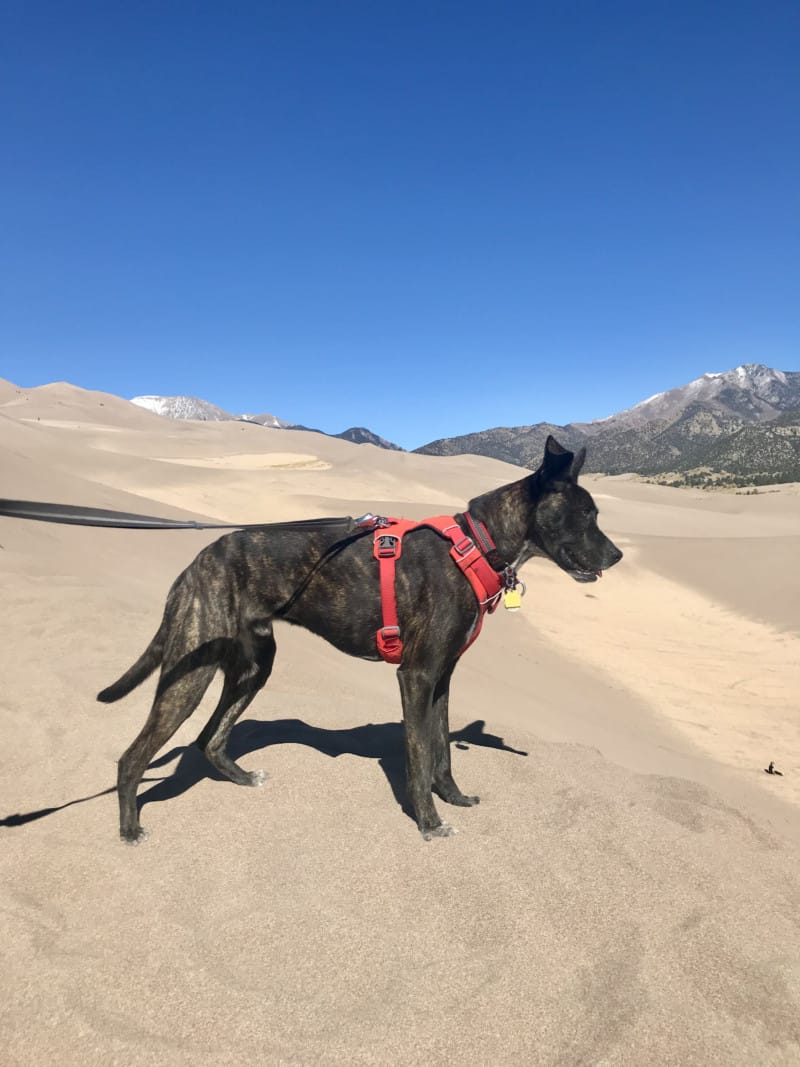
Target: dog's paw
135	838
257	778
459	800
442	830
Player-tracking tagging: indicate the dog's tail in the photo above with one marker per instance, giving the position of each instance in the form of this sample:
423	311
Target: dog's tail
135	675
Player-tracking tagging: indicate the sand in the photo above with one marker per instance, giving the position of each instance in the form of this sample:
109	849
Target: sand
628	891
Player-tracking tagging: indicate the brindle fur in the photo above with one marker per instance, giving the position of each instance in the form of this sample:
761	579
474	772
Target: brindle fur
220	611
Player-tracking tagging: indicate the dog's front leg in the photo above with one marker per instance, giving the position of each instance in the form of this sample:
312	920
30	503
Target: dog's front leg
443	782
417	691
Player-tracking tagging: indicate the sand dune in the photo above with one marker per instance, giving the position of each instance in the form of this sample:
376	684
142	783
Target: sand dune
628	892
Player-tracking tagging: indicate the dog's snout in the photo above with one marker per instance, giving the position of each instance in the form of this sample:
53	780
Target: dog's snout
615	555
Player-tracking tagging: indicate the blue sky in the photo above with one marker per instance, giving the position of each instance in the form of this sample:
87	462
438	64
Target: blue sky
427	218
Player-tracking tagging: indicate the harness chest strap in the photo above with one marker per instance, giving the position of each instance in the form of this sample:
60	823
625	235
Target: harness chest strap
486	583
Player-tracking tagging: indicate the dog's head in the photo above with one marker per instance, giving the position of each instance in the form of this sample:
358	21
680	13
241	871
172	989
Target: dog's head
563	524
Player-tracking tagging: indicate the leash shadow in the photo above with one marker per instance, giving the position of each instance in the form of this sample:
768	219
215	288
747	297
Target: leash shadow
382	742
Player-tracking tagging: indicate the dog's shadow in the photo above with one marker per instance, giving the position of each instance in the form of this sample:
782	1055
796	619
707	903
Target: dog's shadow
382	742
378	741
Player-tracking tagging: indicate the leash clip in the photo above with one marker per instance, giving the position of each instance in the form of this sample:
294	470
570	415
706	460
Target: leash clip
372	522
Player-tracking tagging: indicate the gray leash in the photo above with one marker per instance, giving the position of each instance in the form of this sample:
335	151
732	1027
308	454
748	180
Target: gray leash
74	515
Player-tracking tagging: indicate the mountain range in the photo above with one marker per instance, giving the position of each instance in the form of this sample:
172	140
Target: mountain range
739	427
190	407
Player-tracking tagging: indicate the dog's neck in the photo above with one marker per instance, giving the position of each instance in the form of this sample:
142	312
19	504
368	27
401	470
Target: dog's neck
506	514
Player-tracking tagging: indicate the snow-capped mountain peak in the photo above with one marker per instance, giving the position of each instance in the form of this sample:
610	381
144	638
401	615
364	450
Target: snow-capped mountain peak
190	407
183	407
750	390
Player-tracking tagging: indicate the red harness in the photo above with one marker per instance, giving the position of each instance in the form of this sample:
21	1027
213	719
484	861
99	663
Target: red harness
486	582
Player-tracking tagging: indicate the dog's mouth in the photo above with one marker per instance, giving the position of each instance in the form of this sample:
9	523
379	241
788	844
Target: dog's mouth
580	574
585	576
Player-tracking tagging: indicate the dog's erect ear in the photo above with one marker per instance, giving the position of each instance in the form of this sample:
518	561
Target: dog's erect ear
557	461
577	464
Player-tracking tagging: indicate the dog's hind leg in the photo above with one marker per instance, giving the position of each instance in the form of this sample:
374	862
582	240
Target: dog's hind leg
417	691
443	782
243	679
172	706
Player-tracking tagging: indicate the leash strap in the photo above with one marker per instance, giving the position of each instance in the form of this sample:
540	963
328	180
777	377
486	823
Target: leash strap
74	515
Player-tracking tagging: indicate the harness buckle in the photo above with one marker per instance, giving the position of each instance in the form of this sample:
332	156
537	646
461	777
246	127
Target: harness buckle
464	546
386	546
389	644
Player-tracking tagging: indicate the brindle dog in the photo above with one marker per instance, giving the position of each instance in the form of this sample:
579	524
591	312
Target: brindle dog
219	615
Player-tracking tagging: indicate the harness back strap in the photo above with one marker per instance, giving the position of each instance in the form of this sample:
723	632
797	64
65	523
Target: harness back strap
486	583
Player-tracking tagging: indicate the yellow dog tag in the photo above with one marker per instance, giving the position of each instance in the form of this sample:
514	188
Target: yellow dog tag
512	599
